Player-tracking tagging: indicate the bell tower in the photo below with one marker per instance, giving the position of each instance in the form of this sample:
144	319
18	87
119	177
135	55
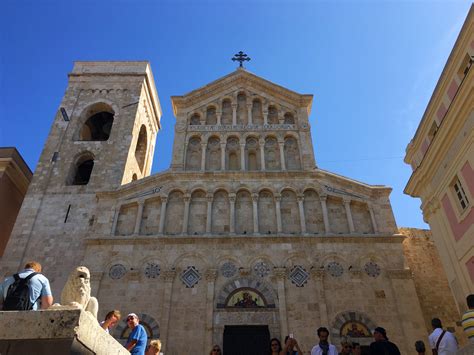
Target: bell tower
103	136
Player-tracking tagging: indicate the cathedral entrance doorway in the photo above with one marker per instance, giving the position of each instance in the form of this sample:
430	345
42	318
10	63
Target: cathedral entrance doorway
246	339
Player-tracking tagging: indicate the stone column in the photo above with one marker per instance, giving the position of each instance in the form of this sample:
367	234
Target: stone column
249	113
223	144
323	198
261	142
203	156
281	145
265	117
278	212
372	218
255	212
347	205
168	278
138	220
187	200
232	213
280	275
242	156
234	114
164	200
302	217
210	275
115	220
209	214
185	153
318	276
219	117
281	117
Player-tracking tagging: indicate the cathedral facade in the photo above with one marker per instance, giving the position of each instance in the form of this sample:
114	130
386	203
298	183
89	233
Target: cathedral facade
241	240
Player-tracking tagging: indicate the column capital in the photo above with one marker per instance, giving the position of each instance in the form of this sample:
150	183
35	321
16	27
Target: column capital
232	197
169	275
346	200
187	198
323	197
210	275
261	142
210	197
255	197
317	272
234	105
280	272
164	199
277	197
300	197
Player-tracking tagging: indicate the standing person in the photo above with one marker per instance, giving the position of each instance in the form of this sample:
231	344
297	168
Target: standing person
136	342
27	290
323	348
154	348
290	345
467	320
346	348
420	347
356	350
441	341
111	320
381	345
216	350
275	347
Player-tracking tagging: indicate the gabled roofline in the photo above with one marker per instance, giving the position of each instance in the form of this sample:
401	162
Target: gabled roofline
302	100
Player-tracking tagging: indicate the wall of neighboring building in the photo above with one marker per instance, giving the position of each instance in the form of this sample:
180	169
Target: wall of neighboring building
15	177
431	283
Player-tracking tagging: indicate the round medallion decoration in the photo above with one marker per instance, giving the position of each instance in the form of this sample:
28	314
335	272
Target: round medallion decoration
372	269
335	269
261	269
228	269
152	270
117	271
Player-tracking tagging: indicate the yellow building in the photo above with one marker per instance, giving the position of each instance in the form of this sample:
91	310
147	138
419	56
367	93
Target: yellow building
441	155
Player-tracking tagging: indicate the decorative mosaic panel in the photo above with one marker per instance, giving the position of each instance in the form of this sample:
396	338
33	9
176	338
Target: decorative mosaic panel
335	269
117	271
190	276
372	269
228	269
299	276
152	270
261	269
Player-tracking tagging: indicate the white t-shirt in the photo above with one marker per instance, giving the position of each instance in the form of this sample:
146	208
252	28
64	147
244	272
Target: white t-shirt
318	351
447	346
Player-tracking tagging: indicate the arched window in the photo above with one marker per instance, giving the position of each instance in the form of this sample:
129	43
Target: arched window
242	109
227	112
97	127
272	115
211	116
82	170
289	119
195	120
140	150
257	114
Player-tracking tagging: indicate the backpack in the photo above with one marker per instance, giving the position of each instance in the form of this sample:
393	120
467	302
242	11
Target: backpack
18	294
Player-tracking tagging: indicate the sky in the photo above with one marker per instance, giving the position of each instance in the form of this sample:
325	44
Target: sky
372	67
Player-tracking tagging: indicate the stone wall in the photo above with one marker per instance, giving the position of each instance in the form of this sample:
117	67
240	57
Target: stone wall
431	283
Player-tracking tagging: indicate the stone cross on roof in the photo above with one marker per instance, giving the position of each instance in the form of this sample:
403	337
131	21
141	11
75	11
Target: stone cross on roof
241	57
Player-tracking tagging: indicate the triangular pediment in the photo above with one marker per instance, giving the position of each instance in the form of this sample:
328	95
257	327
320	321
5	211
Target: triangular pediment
241	79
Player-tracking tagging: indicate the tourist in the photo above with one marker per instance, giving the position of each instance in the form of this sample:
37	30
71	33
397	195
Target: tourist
468	319
381	345
154	348
356	349
111	320
275	347
441	341
290	345
346	348
420	347
323	348
216	350
136	342
38	295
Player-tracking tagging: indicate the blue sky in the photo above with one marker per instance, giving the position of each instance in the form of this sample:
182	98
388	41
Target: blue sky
371	66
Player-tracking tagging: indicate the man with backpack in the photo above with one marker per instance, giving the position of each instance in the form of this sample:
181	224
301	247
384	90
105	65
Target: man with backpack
27	290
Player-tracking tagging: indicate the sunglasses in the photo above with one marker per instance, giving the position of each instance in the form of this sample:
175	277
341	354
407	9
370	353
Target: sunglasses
130	318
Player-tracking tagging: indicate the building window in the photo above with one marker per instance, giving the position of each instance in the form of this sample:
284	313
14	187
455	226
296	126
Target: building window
97	127
461	196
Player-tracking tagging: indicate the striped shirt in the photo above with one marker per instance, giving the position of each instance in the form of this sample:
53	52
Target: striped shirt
467	322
